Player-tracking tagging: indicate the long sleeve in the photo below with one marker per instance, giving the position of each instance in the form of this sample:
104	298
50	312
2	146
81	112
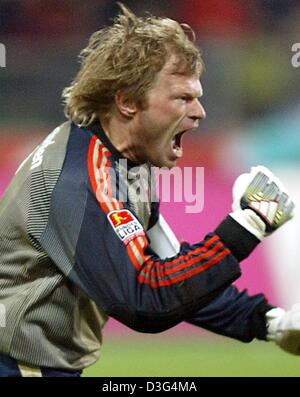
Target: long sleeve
235	314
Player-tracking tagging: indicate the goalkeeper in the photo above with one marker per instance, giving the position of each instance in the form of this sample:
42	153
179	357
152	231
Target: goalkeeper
78	247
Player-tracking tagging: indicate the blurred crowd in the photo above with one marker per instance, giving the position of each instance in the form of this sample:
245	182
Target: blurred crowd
58	18
246	48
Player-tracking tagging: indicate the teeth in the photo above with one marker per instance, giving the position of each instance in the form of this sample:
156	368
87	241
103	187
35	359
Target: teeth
178	151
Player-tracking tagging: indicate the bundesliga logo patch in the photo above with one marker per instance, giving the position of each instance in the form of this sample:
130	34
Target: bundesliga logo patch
125	225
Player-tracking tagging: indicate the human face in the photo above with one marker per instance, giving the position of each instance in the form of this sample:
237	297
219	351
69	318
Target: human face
173	108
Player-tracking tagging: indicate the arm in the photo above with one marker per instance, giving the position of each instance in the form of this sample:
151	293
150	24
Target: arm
234	314
124	276
240	242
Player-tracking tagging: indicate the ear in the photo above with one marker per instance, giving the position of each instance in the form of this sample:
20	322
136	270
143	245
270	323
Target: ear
125	106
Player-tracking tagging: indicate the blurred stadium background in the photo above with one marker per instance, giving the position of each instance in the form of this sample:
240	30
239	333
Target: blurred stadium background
252	99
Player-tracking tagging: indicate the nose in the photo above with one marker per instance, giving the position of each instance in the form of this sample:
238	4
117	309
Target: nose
197	110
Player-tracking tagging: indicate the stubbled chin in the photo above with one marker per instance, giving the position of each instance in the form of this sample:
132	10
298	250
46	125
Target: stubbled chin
168	157
167	163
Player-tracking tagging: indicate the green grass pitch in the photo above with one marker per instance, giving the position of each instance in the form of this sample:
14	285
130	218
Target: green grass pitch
190	355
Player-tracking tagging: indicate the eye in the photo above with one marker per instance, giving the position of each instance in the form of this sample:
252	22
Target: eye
185	98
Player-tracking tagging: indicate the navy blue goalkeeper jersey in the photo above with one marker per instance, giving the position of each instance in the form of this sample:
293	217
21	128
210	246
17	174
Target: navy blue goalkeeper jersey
74	251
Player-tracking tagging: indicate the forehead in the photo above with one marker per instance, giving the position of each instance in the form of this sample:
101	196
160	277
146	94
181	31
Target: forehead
167	78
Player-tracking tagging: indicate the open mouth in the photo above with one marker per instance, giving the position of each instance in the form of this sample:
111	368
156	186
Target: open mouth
176	144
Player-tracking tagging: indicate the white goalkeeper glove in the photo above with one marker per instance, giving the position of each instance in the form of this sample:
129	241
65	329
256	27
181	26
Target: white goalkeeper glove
284	328
261	203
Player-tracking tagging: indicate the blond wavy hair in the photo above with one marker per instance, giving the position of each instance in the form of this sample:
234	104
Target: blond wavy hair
126	57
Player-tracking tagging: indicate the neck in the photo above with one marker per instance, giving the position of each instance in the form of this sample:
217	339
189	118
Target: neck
119	132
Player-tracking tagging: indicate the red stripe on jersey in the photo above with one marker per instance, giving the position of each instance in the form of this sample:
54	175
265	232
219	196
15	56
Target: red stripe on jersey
141	246
107	201
184	276
185	257
133	256
91	163
157	271
162	271
99	163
